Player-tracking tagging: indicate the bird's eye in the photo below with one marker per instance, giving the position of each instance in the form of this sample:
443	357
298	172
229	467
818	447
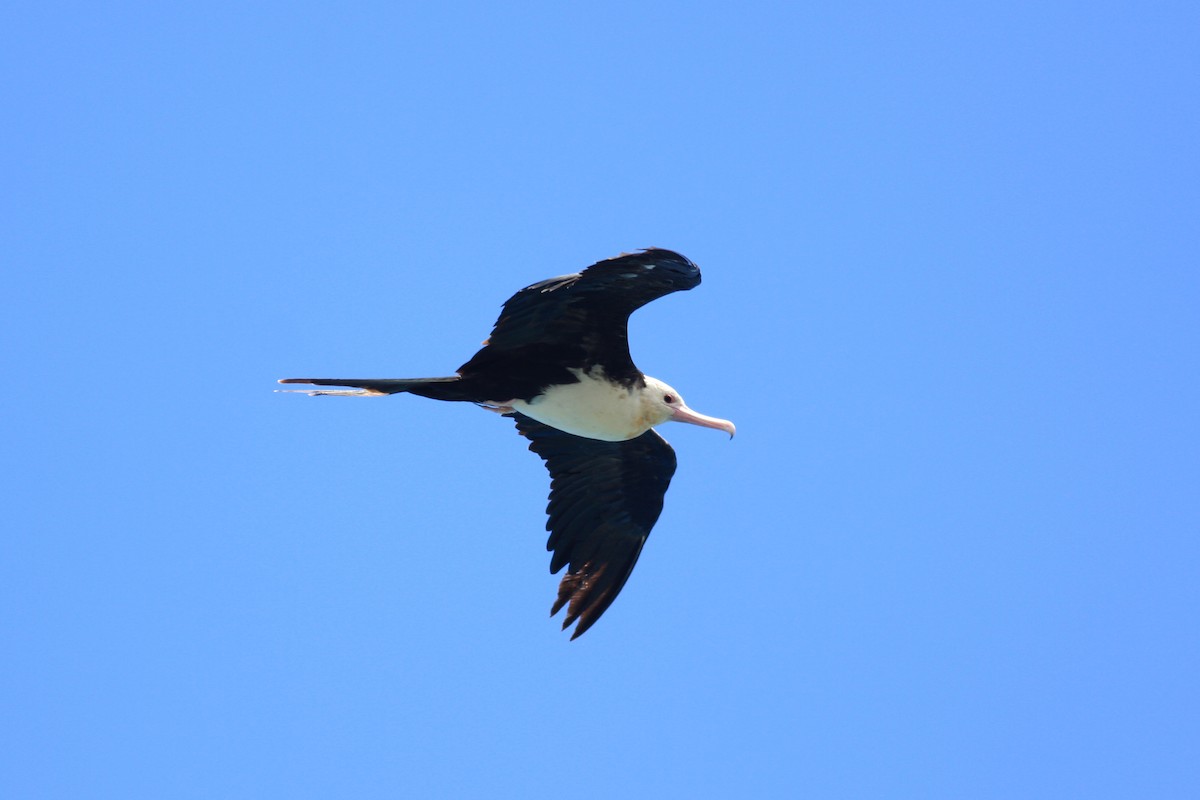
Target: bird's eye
668	398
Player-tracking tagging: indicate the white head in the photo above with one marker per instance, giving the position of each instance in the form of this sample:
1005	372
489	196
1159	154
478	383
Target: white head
664	404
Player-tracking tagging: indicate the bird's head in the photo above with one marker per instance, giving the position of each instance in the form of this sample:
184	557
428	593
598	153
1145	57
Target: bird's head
664	404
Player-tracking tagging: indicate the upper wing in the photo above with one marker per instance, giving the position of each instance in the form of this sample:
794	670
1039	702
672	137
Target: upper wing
604	499
582	319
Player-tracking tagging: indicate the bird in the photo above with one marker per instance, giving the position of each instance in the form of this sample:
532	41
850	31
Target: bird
557	362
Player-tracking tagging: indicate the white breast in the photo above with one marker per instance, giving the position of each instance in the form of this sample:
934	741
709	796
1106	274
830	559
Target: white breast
594	407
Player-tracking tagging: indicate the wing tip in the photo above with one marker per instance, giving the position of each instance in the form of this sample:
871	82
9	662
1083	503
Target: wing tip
571	619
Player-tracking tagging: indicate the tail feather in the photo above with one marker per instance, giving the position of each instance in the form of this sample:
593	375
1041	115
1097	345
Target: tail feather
450	388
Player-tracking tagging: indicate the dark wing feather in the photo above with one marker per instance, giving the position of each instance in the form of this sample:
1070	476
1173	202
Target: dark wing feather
582	320
604	499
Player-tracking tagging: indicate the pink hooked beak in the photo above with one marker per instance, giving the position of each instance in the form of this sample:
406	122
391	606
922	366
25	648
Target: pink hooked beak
685	414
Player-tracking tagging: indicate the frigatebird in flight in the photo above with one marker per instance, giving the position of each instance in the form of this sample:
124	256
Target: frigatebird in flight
558	363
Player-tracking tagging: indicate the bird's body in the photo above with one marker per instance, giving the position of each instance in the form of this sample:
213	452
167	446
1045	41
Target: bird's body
594	407
558	362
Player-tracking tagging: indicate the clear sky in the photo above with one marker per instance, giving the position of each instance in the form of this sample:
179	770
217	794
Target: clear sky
951	299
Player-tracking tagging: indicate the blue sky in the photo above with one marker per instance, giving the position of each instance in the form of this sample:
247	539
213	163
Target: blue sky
951	299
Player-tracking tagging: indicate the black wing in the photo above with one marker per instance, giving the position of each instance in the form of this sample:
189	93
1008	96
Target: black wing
604	499
581	320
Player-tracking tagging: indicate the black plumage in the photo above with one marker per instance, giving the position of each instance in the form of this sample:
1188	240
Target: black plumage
544	331
604	499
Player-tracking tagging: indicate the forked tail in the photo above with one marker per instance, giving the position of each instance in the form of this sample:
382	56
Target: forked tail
450	388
